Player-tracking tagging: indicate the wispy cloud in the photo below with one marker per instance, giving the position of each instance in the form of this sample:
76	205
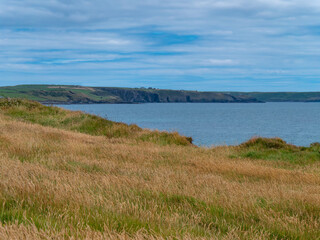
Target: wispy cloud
222	62
192	44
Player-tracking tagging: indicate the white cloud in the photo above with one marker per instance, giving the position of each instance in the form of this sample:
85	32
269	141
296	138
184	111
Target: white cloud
222	62
232	39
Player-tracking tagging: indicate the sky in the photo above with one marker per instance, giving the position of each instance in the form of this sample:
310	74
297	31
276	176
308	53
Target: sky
205	45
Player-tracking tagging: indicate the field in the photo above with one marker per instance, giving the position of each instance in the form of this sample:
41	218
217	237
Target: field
69	175
54	94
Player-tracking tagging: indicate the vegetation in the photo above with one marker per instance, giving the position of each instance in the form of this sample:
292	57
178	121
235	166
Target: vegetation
282	96
79	94
70	175
53	94
35	112
275	149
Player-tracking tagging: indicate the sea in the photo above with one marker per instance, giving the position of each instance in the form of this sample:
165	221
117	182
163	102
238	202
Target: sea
213	124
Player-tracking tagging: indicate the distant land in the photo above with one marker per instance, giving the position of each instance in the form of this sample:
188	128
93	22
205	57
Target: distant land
68	94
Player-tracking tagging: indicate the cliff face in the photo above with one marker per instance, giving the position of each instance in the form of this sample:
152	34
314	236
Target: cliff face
79	94
282	96
155	95
129	96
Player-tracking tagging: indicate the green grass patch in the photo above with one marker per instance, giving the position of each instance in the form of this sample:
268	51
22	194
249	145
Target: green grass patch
275	149
166	138
34	112
192	215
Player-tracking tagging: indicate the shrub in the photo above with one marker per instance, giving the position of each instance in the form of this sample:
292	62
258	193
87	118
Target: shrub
276	149
271	143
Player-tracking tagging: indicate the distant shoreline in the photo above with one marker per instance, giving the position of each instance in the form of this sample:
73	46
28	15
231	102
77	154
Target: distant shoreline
65	94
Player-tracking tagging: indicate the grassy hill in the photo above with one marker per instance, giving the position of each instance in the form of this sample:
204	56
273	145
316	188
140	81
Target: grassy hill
78	94
282	96
70	175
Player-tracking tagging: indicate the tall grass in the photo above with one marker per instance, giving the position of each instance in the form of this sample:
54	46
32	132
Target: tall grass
58	182
35	112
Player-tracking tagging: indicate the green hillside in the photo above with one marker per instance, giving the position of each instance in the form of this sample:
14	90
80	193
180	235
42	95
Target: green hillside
282	96
79	94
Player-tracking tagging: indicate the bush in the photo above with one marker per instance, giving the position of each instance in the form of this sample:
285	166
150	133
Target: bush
276	149
269	143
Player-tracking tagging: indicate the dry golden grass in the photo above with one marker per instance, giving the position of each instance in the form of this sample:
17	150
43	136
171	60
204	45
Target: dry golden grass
59	184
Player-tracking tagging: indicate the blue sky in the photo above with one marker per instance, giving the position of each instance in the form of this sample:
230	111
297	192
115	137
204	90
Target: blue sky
230	45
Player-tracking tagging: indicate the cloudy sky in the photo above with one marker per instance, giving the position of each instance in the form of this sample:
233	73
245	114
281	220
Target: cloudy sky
245	45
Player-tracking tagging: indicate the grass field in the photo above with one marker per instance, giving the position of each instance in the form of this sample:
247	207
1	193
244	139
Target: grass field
51	93
69	175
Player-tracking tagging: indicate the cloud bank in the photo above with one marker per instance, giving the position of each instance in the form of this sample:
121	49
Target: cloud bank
246	45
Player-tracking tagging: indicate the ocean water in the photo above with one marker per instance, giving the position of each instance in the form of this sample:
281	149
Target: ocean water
219	123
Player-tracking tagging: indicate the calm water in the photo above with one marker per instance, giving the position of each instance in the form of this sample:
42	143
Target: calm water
219	123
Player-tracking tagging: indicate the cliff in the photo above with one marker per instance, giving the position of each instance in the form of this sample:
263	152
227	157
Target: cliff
79	94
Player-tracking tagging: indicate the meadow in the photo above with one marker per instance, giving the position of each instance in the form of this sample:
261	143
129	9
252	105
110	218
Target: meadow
70	175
